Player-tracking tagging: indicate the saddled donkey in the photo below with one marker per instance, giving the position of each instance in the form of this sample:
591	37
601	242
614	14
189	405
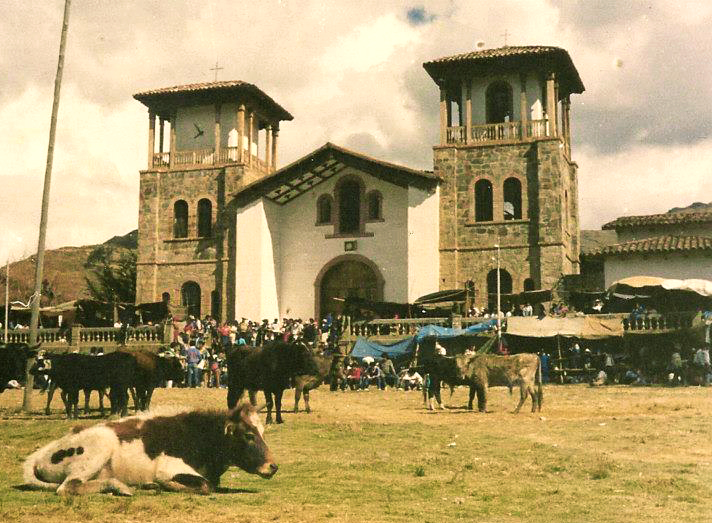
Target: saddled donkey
270	369
328	369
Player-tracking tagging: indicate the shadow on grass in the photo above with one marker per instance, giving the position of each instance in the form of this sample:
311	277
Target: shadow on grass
219	490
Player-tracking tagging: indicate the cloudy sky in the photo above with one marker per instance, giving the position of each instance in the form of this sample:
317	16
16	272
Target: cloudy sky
350	72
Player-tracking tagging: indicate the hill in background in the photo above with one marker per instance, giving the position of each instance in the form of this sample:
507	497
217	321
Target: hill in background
64	270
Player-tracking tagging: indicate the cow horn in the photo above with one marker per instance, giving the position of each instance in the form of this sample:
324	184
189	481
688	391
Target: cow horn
230	428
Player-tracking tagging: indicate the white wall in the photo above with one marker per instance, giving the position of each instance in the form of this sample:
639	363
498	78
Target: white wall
534	96
204	117
256	261
672	265
423	242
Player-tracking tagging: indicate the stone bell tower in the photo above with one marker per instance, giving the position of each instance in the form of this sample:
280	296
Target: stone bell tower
211	140
505	160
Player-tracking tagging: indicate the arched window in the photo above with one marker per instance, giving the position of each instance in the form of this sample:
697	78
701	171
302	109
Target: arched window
499	102
205	218
323	209
166	297
375	205
180	219
349	194
483	201
528	285
512	199
505	286
190	298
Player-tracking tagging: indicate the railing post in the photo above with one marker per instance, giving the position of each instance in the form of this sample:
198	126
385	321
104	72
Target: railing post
74	336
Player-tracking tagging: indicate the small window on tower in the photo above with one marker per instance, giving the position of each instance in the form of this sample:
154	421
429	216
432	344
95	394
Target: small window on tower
205	218
483	201
180	219
512	199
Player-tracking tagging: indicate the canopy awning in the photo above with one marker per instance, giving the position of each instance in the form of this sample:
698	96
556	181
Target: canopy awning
583	327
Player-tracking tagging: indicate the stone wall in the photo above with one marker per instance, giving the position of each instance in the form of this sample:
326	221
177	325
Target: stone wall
543	245
165	263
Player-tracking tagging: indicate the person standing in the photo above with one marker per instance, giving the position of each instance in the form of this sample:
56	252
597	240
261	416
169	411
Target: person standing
193	358
389	371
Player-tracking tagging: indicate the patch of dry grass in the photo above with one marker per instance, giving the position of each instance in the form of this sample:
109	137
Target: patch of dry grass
604	454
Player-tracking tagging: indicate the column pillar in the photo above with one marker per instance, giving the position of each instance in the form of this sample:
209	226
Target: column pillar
240	132
566	122
250	137
151	137
467	86
268	147
275	134
172	145
523	106
551	103
161	129
443	115
216	157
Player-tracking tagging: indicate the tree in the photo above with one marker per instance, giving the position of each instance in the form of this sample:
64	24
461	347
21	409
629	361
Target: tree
112	275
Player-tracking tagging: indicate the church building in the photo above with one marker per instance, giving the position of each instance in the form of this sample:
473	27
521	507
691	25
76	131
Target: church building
224	232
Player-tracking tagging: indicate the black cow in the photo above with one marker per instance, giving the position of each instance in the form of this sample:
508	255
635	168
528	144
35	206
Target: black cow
13	360
151	370
270	369
74	372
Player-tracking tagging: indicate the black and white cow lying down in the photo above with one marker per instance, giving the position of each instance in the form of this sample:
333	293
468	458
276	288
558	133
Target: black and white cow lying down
187	452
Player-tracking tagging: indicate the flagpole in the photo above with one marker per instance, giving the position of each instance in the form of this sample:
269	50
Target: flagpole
36	296
7	294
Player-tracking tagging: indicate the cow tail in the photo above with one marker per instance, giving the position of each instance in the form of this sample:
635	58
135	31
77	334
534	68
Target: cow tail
540	387
29	476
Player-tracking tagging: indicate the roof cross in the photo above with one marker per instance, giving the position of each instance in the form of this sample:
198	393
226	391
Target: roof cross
216	69
505	34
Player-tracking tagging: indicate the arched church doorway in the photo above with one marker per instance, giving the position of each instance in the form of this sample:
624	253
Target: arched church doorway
348	276
190	298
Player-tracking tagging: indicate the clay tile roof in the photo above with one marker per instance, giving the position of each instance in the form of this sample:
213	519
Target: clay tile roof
500	55
228	87
630	222
657	244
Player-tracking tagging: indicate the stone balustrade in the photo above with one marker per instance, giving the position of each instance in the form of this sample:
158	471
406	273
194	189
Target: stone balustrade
647	323
196	157
498	132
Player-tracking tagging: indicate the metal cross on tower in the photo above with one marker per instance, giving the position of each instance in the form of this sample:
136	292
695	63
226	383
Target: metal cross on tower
216	69
505	34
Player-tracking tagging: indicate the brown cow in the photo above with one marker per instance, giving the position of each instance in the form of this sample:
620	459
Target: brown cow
187	452
482	370
327	371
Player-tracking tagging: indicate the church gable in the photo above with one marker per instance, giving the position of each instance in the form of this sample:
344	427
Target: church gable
323	164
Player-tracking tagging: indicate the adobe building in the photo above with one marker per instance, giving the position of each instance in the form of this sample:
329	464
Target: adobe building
223	231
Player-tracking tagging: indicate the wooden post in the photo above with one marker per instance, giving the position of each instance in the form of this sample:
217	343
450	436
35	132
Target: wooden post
151	137
172	144
467	86
443	115
161	128
216	158
551	103
268	147
250	136
240	132
275	134
29	381
7	295
523	105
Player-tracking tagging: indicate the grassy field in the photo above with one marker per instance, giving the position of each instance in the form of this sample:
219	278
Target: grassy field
593	454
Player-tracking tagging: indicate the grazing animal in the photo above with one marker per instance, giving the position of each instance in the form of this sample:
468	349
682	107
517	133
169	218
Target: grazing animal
270	369
479	371
74	372
13	359
151	370
327	372
187	452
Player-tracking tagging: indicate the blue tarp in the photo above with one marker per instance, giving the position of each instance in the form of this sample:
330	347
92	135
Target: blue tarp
364	347
435	331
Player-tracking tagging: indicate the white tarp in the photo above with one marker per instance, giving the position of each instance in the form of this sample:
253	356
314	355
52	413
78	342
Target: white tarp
583	327
701	287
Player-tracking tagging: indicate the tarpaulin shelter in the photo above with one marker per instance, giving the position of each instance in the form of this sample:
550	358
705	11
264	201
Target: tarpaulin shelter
364	347
581	327
660	293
